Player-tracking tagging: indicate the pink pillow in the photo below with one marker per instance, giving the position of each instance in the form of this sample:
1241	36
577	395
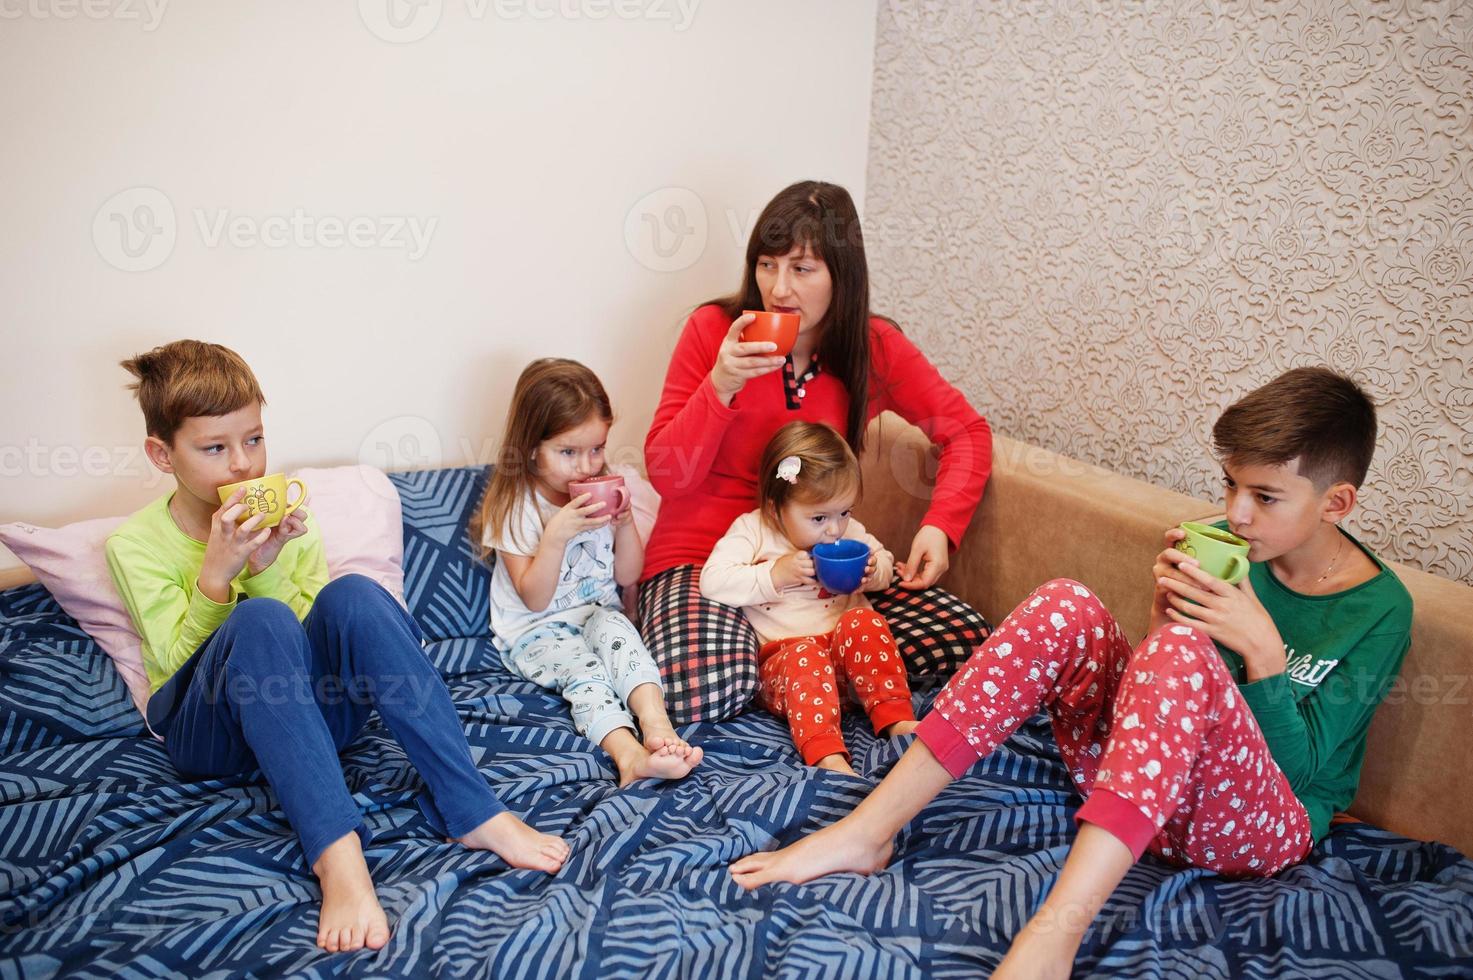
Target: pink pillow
356	509
70	562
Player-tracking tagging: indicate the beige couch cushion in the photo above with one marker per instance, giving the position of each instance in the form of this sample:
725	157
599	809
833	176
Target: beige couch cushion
1047	516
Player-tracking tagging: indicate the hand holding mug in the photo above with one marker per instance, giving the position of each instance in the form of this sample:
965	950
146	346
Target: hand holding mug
580	514
738	362
607	491
292	526
268	496
872	581
1166	566
230	545
794	569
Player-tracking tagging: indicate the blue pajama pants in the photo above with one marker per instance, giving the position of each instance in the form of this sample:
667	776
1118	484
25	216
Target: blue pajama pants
266	691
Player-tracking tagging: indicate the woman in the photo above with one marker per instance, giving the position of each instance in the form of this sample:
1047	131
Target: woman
724	399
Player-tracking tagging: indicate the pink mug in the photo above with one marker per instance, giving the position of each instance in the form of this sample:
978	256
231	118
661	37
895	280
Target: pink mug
608	490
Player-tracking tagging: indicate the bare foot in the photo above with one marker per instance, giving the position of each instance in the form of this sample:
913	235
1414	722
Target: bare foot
517	844
1039	951
647	702
835	848
900	728
640	763
837	762
659	736
351	917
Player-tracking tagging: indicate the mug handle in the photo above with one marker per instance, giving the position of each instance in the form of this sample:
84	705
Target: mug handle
1238	566
623	493
301	495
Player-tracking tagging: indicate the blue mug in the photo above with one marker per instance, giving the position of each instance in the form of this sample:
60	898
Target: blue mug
840	564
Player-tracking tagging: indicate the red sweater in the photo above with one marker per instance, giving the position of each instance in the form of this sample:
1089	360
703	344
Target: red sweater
702	456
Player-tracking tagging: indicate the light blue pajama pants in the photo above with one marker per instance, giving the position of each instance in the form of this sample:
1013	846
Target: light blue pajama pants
594	666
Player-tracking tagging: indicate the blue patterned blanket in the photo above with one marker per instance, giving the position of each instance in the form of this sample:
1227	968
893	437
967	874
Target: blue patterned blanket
113	866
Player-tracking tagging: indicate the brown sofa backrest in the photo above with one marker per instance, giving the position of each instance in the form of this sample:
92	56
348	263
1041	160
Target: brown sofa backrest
1046	516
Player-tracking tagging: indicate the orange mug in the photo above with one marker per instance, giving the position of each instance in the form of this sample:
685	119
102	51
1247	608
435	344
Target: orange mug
774	328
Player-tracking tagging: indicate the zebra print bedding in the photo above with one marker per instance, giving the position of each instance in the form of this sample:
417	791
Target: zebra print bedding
112	865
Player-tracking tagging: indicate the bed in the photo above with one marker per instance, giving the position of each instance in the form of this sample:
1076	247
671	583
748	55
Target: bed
113	865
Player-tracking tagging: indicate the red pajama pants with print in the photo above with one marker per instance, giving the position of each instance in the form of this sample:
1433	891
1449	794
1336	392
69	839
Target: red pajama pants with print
1157	739
802	679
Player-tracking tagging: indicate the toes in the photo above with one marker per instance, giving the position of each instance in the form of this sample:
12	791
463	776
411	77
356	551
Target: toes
378	936
354	939
331	943
745	881
746	865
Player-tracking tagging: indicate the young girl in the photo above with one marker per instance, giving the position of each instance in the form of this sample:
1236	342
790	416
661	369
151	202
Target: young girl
812	640
560	562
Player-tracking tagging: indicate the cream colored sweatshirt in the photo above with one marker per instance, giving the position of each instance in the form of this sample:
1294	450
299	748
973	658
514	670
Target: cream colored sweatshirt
739	573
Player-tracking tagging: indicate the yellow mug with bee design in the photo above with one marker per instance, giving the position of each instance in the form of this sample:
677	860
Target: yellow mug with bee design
267	496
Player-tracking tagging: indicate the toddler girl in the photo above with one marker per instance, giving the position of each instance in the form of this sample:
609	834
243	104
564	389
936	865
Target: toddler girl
812	640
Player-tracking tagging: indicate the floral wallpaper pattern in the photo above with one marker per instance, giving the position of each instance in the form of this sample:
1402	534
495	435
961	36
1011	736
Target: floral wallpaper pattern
1106	221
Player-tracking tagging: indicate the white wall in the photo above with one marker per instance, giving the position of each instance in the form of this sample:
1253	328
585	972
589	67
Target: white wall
523	135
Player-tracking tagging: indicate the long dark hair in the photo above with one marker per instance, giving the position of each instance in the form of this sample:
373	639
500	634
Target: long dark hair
822	217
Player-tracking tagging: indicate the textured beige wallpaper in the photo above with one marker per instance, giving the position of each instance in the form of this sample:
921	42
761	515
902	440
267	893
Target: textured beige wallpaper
1106	221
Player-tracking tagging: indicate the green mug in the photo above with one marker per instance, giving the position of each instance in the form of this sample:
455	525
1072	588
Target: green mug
1220	553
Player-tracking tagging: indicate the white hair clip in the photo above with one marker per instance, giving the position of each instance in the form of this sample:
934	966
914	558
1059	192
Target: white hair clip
788	469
